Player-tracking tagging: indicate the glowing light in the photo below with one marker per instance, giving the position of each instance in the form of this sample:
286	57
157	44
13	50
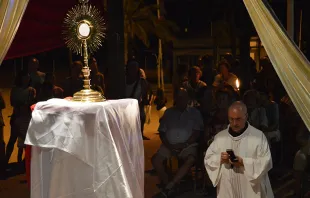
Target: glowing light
84	30
237	84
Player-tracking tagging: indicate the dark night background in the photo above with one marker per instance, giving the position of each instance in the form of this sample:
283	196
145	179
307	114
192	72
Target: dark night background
194	19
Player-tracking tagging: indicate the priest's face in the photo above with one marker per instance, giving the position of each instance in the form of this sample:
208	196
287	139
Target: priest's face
237	119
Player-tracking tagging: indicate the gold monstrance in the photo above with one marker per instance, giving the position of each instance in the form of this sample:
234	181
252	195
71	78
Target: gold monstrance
84	32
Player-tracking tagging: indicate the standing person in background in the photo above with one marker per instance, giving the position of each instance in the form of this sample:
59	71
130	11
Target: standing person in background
2	144
142	73
160	102
36	77
150	96
137	88
97	78
22	97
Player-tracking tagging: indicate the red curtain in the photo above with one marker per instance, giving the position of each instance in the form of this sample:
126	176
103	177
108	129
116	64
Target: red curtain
41	27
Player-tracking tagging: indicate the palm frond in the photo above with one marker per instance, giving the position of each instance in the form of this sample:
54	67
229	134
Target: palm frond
141	34
141	20
131	7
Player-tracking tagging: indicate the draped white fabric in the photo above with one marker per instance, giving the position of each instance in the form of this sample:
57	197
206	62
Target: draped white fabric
86	150
291	65
11	13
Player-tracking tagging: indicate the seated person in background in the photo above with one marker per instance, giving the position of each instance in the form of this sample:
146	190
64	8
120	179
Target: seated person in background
272	113
49	89
225	78
208	72
179	130
207	104
74	82
256	114
208	110
97	78
220	121
302	157
179	78
194	86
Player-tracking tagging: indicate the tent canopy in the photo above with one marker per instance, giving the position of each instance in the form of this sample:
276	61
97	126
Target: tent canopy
41	27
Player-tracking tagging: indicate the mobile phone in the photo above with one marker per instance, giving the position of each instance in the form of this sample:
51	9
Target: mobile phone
232	155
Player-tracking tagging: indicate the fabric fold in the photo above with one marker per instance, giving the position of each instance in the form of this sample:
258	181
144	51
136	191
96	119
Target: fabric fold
87	150
11	13
291	65
256	168
213	164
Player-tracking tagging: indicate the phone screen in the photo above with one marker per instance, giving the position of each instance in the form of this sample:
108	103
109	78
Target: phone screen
232	155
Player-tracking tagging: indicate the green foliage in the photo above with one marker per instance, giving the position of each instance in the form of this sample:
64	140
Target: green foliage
141	21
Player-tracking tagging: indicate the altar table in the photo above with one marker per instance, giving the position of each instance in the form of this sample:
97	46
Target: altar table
86	150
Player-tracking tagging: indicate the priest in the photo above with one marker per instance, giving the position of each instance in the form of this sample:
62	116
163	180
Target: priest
239	158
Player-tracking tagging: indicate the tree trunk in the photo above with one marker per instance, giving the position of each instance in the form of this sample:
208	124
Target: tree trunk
115	87
128	43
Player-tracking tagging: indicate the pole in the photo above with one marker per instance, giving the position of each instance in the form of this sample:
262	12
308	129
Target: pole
300	30
290	18
160	73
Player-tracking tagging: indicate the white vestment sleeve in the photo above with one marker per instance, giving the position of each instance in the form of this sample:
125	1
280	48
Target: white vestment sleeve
213	163
257	167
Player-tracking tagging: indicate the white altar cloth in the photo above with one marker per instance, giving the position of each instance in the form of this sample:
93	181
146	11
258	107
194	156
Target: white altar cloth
86	150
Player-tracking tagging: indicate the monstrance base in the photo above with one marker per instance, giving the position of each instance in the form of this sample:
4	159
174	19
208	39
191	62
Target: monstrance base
88	95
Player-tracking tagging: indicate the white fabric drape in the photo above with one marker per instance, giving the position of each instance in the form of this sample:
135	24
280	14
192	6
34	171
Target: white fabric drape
86	150
11	13
291	65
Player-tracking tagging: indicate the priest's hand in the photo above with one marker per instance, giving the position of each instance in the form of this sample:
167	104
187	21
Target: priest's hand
224	158
238	163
